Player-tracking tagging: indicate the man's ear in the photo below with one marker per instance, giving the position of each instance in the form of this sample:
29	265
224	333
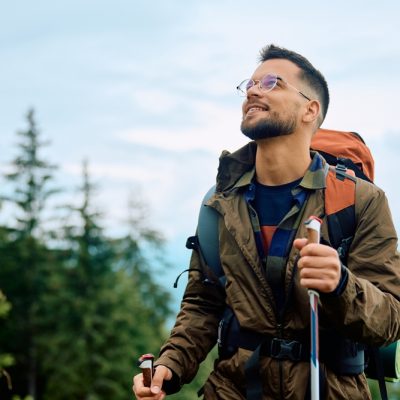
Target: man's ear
313	110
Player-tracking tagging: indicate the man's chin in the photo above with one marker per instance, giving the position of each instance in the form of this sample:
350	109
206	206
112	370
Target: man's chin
265	131
255	133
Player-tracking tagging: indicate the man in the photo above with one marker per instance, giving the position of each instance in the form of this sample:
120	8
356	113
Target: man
265	191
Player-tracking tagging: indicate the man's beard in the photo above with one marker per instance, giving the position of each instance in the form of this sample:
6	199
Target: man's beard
268	128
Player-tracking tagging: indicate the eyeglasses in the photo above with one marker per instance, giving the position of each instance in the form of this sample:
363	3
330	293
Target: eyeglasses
266	84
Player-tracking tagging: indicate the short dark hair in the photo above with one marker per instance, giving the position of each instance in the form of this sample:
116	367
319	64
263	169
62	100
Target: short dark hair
309	74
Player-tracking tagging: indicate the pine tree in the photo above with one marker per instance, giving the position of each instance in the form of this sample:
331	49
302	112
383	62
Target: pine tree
131	252
102	322
25	257
30	179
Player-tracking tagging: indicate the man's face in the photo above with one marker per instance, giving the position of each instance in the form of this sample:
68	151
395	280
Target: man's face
274	113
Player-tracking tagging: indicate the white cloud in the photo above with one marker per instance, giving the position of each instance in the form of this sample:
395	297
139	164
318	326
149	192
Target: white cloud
219	129
115	171
367	109
155	101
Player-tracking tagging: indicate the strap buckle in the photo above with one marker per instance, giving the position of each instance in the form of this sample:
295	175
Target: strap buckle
192	243
282	349
340	169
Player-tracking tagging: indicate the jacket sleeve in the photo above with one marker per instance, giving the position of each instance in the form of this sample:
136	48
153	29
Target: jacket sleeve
196	328
368	310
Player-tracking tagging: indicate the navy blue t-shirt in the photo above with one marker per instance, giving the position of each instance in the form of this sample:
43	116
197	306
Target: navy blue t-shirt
272	203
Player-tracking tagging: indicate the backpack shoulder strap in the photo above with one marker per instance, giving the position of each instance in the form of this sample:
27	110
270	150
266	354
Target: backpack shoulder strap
208	236
206	243
340	208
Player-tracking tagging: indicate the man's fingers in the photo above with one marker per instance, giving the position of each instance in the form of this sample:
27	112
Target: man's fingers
155	392
316	249
316	262
318	273
161	373
321	285
319	267
145	393
141	392
299	243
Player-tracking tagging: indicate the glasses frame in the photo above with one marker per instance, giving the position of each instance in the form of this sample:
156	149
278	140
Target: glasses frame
242	90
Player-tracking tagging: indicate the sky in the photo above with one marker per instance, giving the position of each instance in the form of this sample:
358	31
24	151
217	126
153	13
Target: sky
145	91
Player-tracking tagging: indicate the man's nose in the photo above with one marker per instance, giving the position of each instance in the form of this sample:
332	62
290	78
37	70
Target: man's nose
254	90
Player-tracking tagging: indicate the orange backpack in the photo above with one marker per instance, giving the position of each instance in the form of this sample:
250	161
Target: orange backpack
347	148
348	156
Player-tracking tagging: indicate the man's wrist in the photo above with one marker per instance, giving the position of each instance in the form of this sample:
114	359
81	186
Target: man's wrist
344	277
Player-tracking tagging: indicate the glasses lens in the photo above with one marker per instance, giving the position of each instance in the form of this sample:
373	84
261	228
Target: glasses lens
244	87
249	84
268	82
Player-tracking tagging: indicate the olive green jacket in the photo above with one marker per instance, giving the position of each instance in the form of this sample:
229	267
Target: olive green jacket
368	310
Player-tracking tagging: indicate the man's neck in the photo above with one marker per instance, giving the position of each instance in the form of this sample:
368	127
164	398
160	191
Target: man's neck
281	160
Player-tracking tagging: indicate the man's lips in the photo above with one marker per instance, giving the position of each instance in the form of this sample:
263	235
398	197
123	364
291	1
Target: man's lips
254	108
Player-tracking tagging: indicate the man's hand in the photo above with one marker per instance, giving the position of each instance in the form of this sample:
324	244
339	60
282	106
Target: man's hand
141	392
319	266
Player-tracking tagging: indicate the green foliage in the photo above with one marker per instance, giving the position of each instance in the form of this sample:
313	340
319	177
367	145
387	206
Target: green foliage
6	360
25	257
102	311
190	391
5	306
393	390
20	398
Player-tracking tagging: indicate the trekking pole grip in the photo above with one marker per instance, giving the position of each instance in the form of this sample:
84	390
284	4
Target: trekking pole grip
145	363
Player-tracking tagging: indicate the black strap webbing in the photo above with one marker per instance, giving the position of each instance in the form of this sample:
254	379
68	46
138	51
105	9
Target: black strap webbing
379	372
253	377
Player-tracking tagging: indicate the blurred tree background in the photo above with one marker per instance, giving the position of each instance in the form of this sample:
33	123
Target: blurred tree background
77	307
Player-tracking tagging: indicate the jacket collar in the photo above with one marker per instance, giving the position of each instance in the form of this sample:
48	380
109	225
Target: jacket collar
237	169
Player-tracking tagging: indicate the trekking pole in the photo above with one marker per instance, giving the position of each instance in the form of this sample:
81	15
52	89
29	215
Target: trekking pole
313	225
145	363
